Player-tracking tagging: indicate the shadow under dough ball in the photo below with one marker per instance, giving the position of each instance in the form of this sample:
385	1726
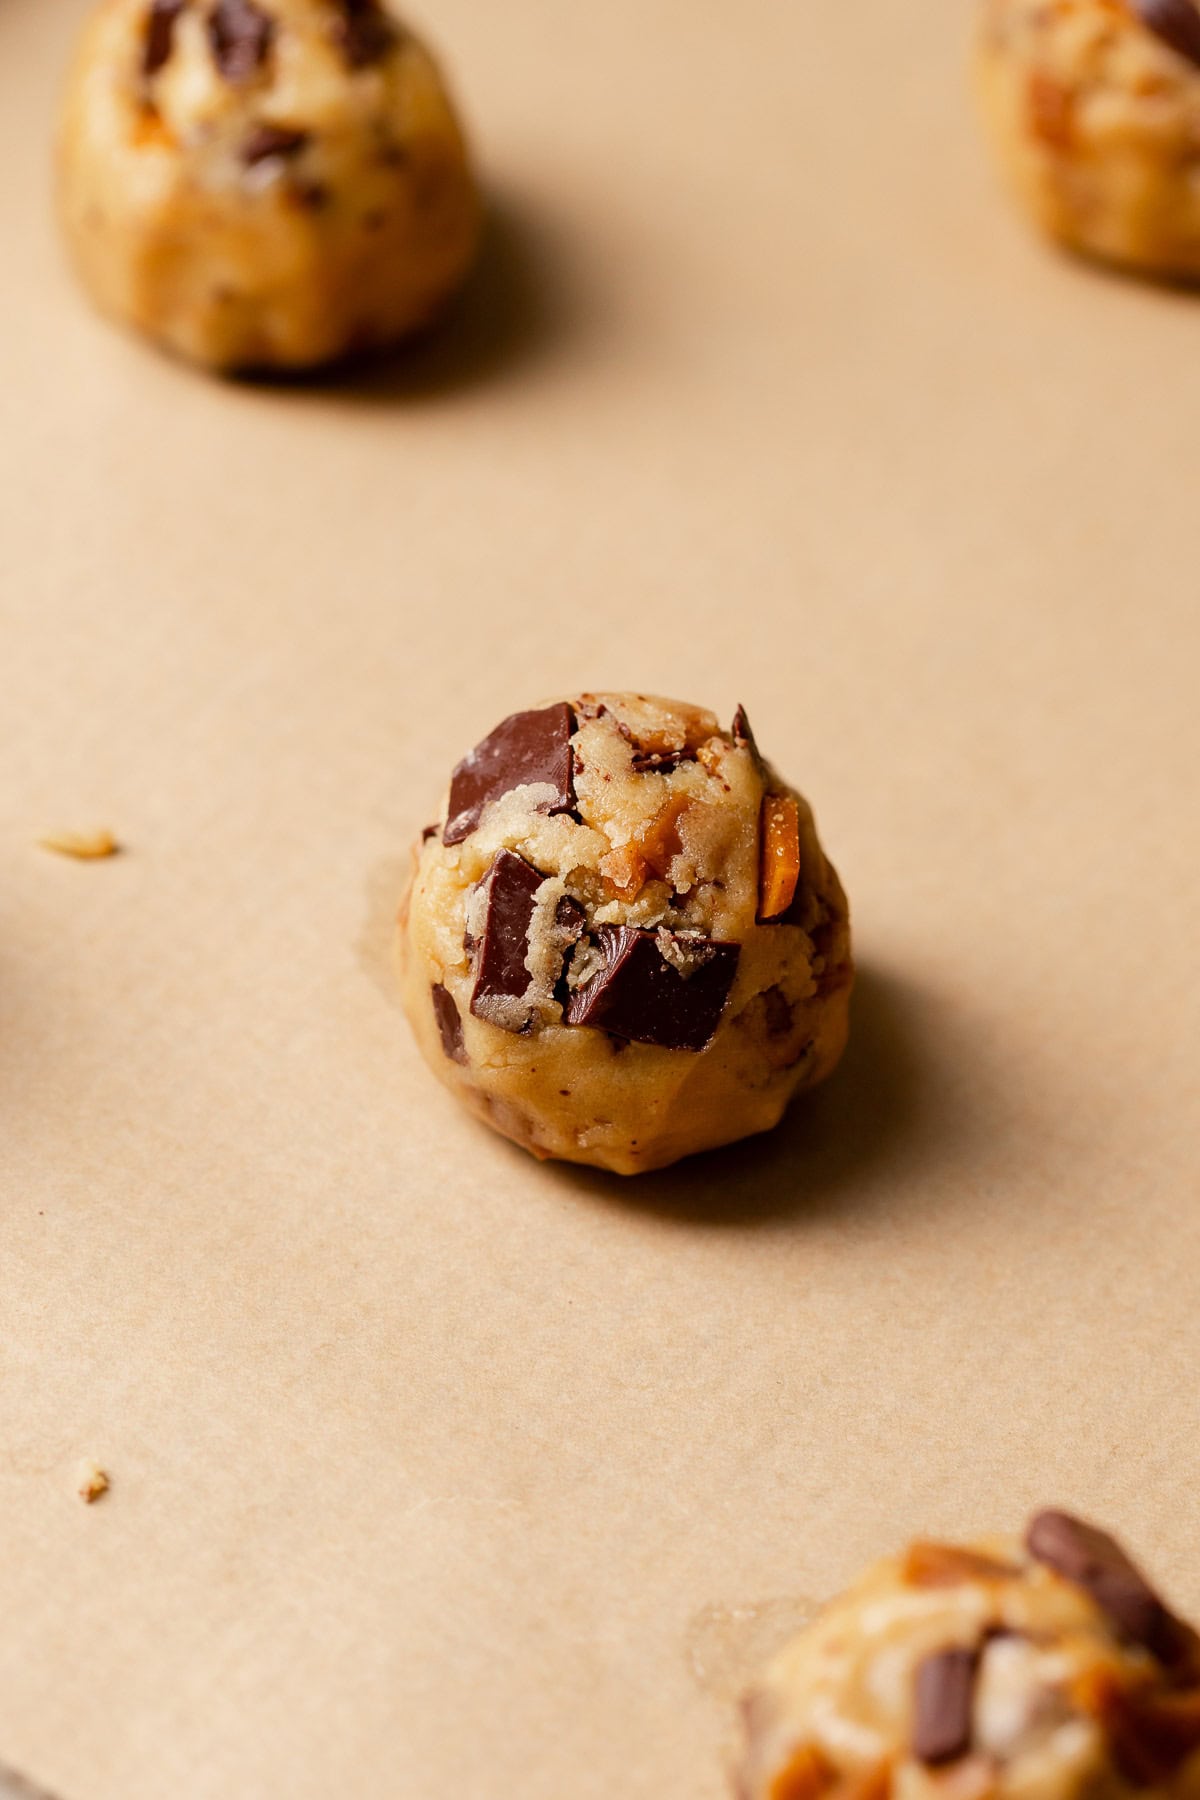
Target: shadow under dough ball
1094	109
1036	1668
623	942
263	184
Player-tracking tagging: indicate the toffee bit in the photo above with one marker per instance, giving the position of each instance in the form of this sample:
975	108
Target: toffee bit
779	856
83	846
931	1565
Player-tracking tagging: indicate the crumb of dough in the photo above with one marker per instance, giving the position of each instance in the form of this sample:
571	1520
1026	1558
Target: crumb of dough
93	1481
84	846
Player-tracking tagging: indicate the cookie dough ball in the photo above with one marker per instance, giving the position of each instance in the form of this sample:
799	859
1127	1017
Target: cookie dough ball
1038	1669
1094	107
624	943
263	184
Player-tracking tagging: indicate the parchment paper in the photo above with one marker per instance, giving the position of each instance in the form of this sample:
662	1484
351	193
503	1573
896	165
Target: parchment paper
438	1475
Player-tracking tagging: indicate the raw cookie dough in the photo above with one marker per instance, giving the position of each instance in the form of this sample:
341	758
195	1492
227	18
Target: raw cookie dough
1094	107
263	184
623	943
1036	1669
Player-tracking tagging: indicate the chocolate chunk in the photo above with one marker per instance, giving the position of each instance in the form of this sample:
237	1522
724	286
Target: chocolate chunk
660	762
448	1023
1096	1562
742	733
942	1701
527	747
363	32
642	996
273	140
1176	22
427	832
241	35
570	917
511	887
160	34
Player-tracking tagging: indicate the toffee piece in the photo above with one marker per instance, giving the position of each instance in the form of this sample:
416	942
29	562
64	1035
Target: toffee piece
1018	1667
647	949
263	184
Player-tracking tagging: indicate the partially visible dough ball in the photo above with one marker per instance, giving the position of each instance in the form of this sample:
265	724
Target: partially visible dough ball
1094	108
623	943
1042	1668
261	184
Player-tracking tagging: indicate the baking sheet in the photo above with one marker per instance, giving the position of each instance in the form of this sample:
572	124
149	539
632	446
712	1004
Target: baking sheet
435	1472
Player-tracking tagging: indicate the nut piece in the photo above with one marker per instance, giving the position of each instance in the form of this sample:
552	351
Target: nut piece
92	1480
84	846
779	870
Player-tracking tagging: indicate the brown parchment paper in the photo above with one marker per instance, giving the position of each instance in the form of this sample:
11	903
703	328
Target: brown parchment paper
436	1473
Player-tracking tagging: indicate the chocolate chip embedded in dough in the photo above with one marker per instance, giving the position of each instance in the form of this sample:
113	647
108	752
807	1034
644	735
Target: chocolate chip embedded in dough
943	1697
241	35
510	887
266	141
527	748
448	1023
1094	1561
742	734
570	917
673	999
363	32
160	34
660	762
1176	22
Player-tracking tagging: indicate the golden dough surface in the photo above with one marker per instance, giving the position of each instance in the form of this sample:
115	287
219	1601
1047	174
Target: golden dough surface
263	184
582	954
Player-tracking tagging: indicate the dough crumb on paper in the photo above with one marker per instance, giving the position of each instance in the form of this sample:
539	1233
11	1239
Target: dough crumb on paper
93	1481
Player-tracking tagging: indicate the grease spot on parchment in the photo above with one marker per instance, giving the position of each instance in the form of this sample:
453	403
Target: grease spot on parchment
726	1646
376	945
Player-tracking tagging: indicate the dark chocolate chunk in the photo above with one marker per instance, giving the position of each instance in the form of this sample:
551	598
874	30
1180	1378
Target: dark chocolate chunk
363	32
640	996
448	1023
160	34
942	1701
1176	22
241	35
1096	1562
427	832
527	747
742	733
511	886
570	917
660	762
273	140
